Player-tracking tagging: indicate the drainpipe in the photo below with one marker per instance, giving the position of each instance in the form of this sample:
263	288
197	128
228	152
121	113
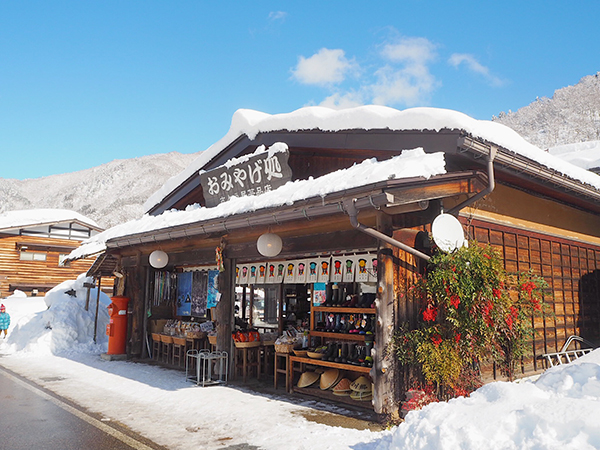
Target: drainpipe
490	187
350	208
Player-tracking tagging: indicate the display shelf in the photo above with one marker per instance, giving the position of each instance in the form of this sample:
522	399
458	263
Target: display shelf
328	395
342	336
334	365
342	309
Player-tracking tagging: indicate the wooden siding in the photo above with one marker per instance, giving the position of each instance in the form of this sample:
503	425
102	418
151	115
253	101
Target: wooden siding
41	275
571	270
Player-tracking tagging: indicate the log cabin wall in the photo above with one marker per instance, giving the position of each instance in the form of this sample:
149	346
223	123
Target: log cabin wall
26	275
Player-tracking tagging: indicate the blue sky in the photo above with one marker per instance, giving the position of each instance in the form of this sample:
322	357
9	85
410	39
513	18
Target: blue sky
86	82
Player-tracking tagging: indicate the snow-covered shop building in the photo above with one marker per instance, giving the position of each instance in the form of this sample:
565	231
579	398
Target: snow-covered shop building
33	247
350	193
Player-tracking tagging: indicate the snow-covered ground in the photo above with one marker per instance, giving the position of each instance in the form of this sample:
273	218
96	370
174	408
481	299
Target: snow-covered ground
53	347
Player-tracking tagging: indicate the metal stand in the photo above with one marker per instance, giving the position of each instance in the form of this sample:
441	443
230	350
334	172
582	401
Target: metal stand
204	373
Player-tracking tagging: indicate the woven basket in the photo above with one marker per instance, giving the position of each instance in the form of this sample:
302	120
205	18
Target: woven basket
284	348
178	340
247	344
166	339
156	337
212	339
196	334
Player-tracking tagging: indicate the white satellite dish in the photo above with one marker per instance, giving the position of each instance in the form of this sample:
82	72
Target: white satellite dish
448	233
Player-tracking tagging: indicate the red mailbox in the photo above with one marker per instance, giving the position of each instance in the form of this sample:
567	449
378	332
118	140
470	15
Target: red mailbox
117	327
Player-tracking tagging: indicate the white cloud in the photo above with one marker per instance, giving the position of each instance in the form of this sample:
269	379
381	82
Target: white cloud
401	76
473	65
324	68
277	15
343	101
406	78
410	50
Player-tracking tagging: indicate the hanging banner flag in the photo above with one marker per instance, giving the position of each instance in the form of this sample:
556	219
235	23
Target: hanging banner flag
323	271
361	273
372	268
301	271
184	294
337	266
312	267
350	262
244	273
212	297
290	272
199	293
253	275
262	273
271	275
280	272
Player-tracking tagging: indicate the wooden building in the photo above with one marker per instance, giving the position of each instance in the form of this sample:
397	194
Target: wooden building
538	212
34	245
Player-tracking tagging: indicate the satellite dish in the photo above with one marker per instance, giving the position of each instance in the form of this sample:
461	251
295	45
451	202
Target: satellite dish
448	233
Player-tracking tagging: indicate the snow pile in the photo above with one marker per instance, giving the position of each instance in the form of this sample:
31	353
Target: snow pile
57	323
559	410
17	294
29	217
410	163
584	154
371	117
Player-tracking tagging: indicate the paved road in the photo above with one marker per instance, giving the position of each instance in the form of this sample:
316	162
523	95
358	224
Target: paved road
32	418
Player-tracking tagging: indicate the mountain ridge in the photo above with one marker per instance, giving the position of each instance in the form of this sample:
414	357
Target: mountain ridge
111	193
115	192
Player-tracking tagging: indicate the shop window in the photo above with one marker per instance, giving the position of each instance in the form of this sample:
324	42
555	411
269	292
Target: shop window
32	256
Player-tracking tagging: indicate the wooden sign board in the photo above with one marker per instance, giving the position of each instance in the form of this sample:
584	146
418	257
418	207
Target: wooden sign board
260	173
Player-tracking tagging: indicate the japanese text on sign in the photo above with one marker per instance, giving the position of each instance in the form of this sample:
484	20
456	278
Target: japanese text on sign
259	174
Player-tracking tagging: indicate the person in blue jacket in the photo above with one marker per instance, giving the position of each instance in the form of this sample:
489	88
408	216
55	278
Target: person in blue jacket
4	320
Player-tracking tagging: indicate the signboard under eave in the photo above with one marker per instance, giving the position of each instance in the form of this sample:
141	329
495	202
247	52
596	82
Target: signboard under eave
262	171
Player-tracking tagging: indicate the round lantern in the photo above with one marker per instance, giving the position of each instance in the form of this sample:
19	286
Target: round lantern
269	244
158	259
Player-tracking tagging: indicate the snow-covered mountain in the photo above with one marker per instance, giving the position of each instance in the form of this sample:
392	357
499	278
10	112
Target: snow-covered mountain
109	194
571	116
115	192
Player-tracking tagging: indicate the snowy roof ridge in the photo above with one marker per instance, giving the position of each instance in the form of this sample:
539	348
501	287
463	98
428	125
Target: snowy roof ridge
251	123
410	163
45	216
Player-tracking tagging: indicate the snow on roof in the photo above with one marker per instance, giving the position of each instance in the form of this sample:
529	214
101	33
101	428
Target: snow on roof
410	163
582	154
250	123
35	217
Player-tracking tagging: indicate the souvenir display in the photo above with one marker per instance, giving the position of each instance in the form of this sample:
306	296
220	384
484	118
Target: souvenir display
329	379
308	379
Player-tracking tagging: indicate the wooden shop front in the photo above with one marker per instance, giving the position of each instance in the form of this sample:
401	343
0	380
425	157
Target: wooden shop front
375	231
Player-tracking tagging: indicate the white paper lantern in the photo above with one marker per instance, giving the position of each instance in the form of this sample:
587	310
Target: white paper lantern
269	244
158	259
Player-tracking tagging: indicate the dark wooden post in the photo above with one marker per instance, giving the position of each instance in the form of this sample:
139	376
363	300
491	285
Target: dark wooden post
384	371
224	309
97	306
